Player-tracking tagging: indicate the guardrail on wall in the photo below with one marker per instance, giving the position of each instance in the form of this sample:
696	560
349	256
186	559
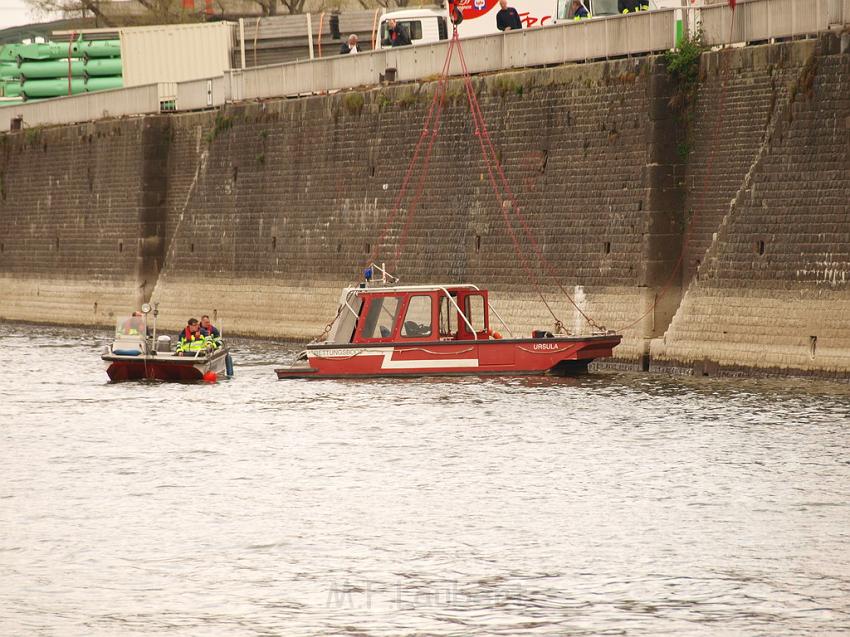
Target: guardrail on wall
199	94
764	20
755	21
569	42
82	108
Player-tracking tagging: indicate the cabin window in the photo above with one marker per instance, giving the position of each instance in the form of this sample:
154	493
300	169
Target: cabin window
448	316
414	29
442	29
417	320
380	317
475	312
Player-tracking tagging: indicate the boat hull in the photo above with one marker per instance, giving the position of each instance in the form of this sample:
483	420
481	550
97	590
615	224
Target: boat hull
504	357
165	367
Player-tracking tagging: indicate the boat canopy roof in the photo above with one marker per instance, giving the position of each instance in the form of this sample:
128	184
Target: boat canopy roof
434	287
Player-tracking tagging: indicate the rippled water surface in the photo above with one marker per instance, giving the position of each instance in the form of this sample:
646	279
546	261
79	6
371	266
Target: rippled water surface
609	504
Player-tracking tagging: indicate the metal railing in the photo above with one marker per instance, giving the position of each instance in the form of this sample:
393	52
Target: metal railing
82	108
200	94
765	20
569	42
585	40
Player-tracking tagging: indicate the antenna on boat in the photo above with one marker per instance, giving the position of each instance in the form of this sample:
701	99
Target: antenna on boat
146	308
386	277
155	314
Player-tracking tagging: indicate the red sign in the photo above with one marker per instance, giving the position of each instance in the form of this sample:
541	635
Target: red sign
475	8
529	20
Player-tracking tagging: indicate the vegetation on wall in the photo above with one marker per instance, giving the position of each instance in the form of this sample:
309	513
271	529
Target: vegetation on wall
683	67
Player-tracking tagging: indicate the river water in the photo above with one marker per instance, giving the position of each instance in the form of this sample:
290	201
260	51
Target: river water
611	504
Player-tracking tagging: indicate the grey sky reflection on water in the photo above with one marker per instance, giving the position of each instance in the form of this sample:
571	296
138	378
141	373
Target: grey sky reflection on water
607	503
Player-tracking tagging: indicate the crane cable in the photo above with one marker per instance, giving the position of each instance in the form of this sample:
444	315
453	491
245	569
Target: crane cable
431	126
502	190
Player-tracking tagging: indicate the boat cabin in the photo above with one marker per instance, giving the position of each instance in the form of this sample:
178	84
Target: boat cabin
412	313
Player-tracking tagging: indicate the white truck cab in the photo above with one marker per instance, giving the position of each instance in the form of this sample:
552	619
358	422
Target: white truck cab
423	25
432	24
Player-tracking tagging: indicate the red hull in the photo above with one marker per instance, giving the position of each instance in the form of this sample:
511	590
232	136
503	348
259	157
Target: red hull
121	371
478	357
165	367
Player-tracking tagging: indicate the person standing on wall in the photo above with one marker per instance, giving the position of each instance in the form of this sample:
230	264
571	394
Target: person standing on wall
350	46
507	19
630	6
578	11
396	34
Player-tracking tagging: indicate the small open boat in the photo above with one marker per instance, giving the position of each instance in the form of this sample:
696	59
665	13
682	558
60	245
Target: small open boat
138	353
424	330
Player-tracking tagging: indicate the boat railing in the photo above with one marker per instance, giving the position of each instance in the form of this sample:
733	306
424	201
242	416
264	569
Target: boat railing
441	288
350	309
384	273
460	312
501	320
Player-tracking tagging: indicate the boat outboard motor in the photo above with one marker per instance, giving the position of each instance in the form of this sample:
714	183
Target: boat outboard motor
163	343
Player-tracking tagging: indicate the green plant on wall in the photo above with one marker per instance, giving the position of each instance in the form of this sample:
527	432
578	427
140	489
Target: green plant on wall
383	101
353	103
503	86
222	123
33	134
683	67
407	100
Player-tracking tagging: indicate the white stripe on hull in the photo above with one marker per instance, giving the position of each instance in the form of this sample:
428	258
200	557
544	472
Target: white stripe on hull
388	363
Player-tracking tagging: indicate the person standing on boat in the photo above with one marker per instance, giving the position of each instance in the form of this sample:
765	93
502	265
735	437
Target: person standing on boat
191	339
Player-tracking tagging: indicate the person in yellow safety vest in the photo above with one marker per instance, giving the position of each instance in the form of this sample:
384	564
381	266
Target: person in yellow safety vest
578	11
191	339
629	6
134	325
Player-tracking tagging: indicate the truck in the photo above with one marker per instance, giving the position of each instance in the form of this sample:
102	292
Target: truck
432	24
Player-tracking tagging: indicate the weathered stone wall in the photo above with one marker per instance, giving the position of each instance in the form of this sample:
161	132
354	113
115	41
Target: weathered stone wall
80	209
274	207
260	213
772	290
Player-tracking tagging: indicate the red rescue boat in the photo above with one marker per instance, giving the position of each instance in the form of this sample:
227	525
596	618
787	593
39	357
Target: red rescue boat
436	330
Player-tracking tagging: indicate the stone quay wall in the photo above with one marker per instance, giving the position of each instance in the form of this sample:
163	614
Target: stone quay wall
259	213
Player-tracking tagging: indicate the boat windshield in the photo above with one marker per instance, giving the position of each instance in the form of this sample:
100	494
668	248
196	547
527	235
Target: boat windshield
130	326
380	317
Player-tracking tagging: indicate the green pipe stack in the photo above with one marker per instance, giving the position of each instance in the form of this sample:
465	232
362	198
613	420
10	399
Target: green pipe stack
41	70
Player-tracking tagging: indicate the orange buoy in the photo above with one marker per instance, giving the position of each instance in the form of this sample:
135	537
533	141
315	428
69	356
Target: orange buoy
210	377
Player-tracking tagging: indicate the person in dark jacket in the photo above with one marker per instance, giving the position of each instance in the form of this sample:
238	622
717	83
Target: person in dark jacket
630	6
507	19
397	35
350	46
207	328
578	11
